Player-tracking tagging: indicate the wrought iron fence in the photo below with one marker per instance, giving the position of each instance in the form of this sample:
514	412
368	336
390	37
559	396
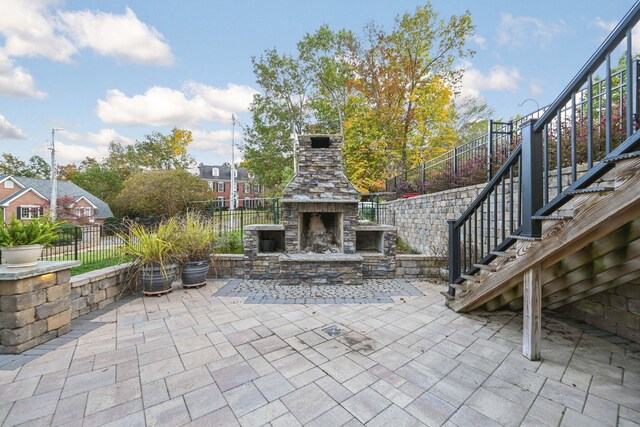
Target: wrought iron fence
474	162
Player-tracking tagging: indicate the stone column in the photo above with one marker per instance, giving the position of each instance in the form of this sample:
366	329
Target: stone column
34	304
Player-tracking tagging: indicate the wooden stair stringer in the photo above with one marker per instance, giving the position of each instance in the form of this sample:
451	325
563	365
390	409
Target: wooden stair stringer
591	222
579	261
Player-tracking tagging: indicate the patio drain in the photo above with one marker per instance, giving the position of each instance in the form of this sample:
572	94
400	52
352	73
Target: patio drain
333	331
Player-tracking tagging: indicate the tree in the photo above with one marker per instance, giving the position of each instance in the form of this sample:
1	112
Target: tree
100	180
159	193
472	117
389	94
408	81
36	167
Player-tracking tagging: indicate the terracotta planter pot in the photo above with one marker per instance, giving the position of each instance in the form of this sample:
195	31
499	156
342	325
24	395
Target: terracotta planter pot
21	256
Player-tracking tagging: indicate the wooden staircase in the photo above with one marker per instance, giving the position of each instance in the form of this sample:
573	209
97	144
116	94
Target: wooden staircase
592	247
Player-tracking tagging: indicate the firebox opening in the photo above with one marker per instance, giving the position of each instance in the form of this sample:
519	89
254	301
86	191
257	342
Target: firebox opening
320	142
320	232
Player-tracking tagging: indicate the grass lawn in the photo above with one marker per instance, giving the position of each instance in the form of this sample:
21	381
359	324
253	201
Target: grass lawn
95	265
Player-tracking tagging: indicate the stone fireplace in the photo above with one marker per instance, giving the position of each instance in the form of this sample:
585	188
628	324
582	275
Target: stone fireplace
317	242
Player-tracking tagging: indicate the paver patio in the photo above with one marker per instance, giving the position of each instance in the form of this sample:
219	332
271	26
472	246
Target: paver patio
194	358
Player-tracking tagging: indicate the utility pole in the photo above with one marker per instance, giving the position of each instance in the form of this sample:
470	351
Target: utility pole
232	193
53	200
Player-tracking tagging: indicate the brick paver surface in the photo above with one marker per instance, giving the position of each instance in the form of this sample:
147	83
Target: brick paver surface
205	357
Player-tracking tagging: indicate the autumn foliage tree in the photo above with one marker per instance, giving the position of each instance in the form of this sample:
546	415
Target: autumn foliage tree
389	93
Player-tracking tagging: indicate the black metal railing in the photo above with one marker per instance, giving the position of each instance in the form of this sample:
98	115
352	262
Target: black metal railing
474	162
592	120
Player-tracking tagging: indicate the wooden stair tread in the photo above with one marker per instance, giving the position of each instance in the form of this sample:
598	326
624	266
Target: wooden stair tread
552	217
503	254
601	189
486	267
625	156
525	238
446	295
471	278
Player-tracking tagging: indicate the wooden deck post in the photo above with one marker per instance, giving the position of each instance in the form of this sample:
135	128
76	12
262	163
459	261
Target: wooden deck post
532	313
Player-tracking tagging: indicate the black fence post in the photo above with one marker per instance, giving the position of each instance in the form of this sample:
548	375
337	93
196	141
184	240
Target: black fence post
454	255
241	223
531	179
490	151
75	243
455	159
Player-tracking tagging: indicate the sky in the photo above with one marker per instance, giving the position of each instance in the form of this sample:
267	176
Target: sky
118	70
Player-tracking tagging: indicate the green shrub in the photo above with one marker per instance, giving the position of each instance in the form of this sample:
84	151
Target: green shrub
368	213
403	248
228	243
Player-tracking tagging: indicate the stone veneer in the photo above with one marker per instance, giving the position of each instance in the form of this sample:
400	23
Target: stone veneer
97	289
34	304
422	220
615	310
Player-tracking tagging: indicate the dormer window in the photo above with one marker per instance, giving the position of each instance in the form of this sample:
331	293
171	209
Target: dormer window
9	184
215	172
251	175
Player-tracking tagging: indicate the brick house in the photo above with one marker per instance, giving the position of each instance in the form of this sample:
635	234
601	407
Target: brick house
219	180
28	198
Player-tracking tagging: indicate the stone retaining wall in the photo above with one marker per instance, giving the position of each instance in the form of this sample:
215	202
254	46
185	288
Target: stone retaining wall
422	220
616	310
419	266
96	289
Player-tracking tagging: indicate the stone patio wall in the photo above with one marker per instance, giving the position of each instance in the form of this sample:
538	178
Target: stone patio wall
422	220
616	310
226	266
96	289
419	266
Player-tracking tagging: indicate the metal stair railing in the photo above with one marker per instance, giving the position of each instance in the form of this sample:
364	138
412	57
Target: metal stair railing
592	120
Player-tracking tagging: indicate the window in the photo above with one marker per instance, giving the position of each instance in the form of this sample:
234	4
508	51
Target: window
77	212
256	188
250	175
8	184
220	187
215	172
247	188
248	203
211	185
87	211
221	202
29	212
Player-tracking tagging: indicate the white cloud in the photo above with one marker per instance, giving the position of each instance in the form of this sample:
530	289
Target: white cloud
479	40
161	106
9	131
499	78
605	25
158	106
34	28
16	81
217	141
121	36
106	136
73	153
516	31
29	29
234	98
535	88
